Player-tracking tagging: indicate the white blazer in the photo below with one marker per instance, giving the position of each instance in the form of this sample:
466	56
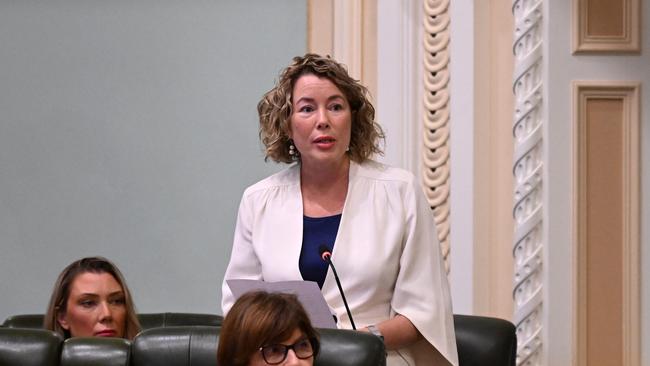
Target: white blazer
386	253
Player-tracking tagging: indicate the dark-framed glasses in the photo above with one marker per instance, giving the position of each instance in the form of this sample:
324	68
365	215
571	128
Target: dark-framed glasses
274	354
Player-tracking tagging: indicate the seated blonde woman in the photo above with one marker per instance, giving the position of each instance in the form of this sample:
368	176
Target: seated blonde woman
91	299
267	329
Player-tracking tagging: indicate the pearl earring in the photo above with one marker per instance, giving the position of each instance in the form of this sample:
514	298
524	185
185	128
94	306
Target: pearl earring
293	152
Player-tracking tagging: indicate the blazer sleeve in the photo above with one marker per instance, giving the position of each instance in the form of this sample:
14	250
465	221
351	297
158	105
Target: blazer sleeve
244	262
422	289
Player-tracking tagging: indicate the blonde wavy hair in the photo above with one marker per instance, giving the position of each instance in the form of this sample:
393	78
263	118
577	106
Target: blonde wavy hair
275	109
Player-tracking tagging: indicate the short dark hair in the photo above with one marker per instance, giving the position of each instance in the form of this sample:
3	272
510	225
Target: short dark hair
274	109
261	318
61	292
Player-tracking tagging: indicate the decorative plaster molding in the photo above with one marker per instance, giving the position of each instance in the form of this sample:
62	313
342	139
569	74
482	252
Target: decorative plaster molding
627	93
435	152
528	176
616	32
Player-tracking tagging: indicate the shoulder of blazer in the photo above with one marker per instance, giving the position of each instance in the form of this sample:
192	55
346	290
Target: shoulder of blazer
374	170
286	177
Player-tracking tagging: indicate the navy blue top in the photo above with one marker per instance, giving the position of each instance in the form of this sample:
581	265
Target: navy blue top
316	231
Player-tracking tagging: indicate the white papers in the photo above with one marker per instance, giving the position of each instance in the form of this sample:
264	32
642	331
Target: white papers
307	292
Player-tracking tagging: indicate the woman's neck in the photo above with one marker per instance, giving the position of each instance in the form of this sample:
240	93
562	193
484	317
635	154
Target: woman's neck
324	188
324	175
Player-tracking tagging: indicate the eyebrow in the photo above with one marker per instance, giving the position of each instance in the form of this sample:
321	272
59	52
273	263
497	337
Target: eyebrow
329	99
121	292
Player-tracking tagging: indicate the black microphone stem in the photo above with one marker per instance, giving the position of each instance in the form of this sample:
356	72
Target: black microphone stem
338	283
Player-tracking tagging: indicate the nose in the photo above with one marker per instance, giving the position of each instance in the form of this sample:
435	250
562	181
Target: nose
105	312
291	359
323	119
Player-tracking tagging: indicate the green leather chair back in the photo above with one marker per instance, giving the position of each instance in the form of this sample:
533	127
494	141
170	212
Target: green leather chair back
485	341
29	347
157	320
29	321
349	348
481	341
176	346
97	351
197	346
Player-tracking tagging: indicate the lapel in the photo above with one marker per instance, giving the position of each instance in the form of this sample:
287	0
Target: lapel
291	239
341	246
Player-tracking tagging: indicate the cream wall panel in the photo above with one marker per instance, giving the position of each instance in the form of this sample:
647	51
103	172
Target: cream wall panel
492	140
347	31
606	219
606	25
562	67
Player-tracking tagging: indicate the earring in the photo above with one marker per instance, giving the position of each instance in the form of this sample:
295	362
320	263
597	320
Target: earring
293	152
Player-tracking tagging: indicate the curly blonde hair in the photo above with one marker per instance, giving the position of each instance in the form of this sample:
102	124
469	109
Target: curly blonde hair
275	109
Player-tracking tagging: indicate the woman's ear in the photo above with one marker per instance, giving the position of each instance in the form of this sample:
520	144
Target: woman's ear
61	319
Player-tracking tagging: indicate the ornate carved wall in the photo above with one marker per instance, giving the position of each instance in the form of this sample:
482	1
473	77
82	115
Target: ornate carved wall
528	174
435	151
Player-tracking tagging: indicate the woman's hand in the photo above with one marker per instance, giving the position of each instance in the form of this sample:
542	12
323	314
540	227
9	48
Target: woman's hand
398	332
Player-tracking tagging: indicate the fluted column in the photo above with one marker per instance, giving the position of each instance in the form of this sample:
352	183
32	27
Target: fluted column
435	159
528	177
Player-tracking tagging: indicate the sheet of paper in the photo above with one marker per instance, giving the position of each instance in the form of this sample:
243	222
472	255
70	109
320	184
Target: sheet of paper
307	292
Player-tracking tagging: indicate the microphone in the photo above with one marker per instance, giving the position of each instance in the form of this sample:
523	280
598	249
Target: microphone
326	254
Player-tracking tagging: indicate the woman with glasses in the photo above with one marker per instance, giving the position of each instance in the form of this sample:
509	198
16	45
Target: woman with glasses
267	329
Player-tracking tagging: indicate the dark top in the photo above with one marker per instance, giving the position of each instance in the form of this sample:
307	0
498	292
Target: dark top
316	231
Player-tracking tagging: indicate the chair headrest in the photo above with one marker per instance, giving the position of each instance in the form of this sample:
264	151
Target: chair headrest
176	346
347	347
29	347
98	351
484	340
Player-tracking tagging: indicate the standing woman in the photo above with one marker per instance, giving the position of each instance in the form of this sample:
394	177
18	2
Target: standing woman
373	217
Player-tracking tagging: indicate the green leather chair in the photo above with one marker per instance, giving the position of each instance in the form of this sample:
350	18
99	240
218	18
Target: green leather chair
28	321
485	341
176	346
158	320
197	346
349	348
481	341
96	351
29	347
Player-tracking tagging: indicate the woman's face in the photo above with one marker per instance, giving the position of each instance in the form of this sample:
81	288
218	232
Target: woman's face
95	308
321	121
301	345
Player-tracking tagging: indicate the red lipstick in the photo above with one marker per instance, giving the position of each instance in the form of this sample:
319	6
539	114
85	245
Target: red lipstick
106	333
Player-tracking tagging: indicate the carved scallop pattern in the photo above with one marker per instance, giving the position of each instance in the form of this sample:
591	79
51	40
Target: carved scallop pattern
528	190
435	156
